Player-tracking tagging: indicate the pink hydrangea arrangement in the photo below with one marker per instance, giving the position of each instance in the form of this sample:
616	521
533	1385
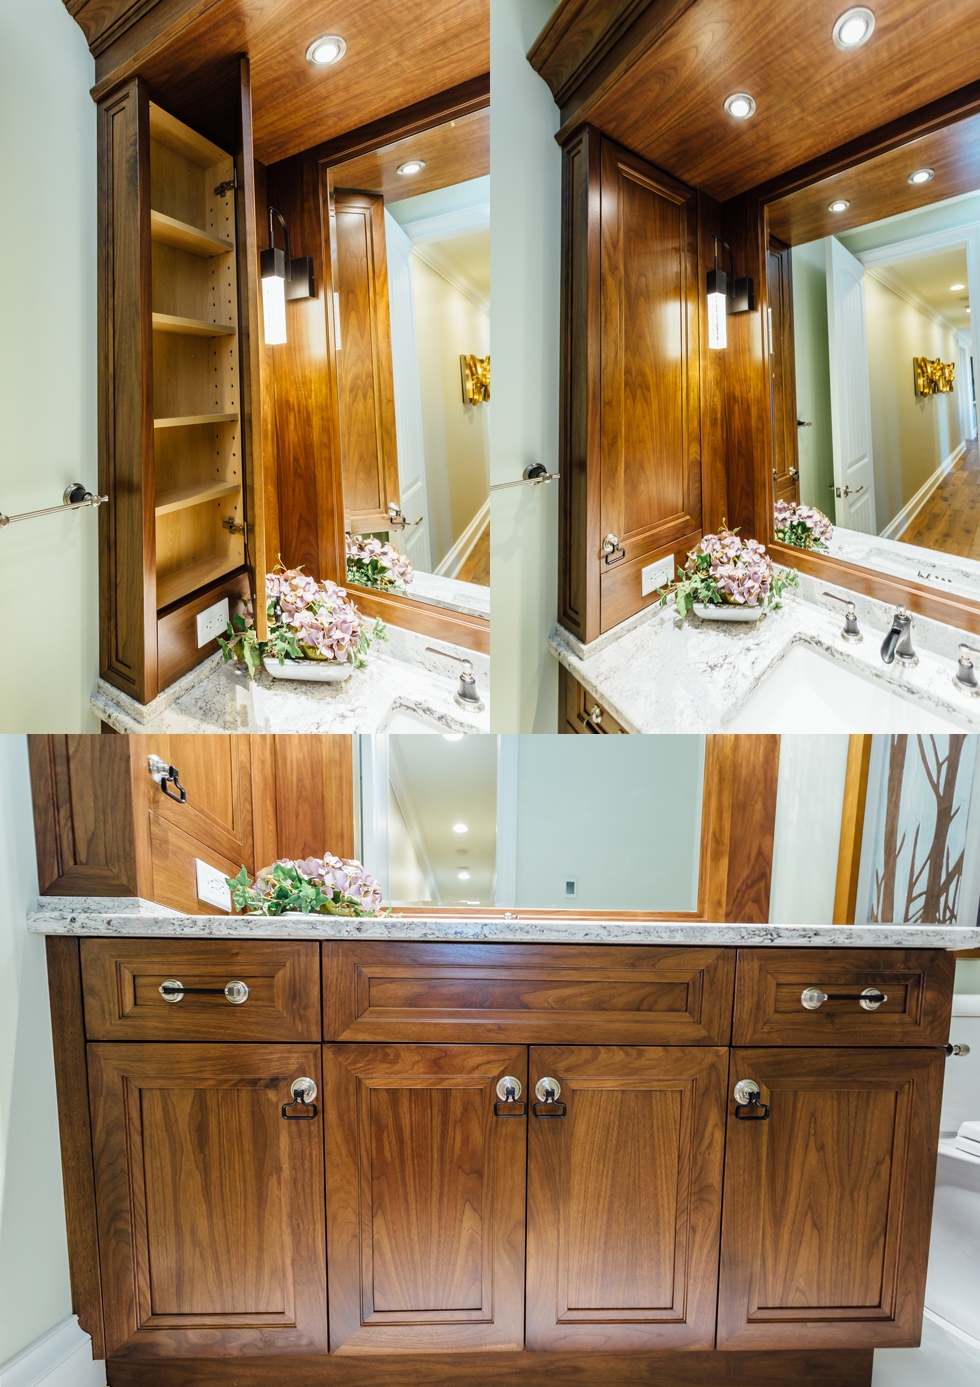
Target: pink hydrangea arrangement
309	619
324	885
802	526
727	570
377	565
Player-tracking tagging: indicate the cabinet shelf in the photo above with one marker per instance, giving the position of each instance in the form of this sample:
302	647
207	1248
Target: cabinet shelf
190	327
184	496
196	575
173	133
168	231
182	421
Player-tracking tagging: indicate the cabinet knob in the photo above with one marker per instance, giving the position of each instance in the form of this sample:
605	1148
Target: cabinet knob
595	714
302	1093
509	1102
548	1092
870	999
748	1104
235	992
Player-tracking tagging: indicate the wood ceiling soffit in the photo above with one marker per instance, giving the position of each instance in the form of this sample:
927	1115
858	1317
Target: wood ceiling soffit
454	151
103	22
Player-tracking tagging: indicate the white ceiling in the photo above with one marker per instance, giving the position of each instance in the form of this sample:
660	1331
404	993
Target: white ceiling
930	279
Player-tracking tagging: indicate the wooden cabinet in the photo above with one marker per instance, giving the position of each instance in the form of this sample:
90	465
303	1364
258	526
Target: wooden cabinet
579	711
425	1198
828	1199
210	1202
624	1198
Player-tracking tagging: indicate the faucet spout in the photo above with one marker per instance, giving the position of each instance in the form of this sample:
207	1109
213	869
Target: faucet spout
897	645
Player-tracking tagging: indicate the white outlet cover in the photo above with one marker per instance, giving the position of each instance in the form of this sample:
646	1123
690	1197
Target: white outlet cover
656	575
211	885
213	621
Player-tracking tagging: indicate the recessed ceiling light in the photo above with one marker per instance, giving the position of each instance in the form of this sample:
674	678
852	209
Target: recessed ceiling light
953	287
460	828
922	175
412	166
841	205
330	48
740	105
854	28
463	875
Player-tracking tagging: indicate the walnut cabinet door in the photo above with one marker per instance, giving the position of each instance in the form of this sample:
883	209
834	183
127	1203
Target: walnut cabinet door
829	1174
624	1196
425	1197
209	1199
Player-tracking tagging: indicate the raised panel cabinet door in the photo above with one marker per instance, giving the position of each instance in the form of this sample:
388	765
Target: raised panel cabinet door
215	772
624	1197
209	1200
828	1198
425	1197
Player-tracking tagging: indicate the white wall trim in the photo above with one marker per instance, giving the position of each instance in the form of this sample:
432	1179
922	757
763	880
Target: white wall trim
508	769
899	523
894	286
951	1328
60	1358
442	263
459	223
466	543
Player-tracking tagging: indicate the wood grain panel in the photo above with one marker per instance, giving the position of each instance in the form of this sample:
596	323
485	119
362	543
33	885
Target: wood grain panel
852	827
210	1212
621	994
683	1368
425	1198
83	816
457	628
172	873
624	1206
302	796
827	1202
75	1128
578	712
452	153
738	824
215	772
177	649
769	983
122	977
364	365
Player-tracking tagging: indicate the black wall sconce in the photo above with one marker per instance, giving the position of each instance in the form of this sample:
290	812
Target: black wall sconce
282	278
726	296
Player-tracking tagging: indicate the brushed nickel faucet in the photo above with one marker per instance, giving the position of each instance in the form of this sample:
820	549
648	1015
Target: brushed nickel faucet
897	645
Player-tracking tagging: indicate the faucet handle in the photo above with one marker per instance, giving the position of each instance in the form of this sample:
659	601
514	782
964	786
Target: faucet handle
965	677
850	631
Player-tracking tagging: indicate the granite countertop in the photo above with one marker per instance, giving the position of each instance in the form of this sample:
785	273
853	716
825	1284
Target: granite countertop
656	674
135	918
217	697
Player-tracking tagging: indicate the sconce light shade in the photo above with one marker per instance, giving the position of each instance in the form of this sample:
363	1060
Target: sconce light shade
272	264
717	308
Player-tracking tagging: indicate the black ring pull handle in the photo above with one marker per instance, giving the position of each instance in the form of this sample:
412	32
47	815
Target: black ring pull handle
548	1092
165	775
748	1103
509	1102
302	1092
553	1104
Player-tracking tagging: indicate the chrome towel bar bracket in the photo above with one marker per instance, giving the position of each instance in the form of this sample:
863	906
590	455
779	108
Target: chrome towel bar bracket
76	497
534	475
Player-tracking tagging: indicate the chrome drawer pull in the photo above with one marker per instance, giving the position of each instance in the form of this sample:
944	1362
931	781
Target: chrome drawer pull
301	1094
869	1000
509	1096
748	1101
235	992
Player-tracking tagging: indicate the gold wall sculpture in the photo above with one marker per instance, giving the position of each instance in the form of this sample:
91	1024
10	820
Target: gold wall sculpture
475	372
933	377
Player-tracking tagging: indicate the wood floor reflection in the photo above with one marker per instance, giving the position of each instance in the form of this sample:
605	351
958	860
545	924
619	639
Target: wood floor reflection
950	520
476	569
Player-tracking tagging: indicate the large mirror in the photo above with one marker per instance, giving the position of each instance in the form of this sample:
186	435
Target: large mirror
872	274
410	245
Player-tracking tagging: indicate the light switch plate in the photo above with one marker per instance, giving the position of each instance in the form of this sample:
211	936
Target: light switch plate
656	575
211	885
213	621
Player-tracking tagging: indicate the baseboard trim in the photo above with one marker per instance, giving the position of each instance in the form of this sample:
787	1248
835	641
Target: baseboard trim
60	1358
900	523
466	543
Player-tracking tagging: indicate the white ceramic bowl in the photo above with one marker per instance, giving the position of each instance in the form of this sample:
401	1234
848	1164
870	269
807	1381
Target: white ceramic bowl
709	612
315	671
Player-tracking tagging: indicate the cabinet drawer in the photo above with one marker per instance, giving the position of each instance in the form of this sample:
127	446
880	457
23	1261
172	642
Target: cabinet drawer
527	993
772	988
121	979
583	713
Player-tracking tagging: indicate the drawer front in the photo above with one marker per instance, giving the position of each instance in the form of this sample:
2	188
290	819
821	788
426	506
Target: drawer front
778	997
121	979
583	713
527	993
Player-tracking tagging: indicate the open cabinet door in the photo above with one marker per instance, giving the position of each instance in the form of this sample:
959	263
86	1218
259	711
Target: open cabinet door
850	390
258	415
365	378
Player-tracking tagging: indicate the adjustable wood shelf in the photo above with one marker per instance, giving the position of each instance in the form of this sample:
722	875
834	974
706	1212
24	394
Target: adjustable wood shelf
190	327
182	497
187	580
183	421
168	231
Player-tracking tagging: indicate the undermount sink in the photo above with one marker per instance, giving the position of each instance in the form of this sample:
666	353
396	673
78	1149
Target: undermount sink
811	692
401	720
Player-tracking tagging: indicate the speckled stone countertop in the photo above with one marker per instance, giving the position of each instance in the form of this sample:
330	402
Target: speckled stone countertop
135	918
219	697
661	675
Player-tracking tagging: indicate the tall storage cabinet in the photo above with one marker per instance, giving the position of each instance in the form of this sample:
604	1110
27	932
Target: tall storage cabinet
172	455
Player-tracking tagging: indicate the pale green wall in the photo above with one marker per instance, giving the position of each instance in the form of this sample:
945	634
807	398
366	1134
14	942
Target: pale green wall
524	258
48	567
813	375
34	1290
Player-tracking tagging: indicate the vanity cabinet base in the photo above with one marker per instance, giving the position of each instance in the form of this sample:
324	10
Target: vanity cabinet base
679	1369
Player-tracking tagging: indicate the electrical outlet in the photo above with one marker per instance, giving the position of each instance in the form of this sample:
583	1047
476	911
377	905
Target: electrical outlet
213	621
211	885
656	575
